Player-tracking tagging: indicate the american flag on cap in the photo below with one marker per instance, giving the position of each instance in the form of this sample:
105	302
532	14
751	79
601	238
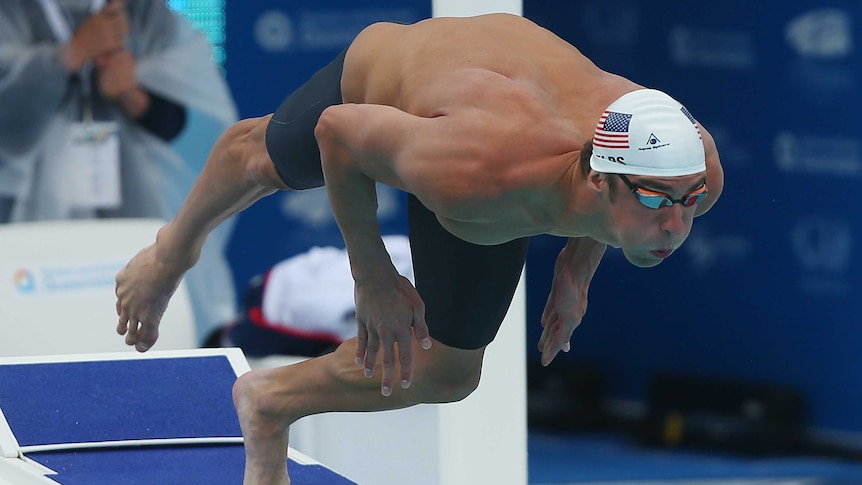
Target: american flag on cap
612	131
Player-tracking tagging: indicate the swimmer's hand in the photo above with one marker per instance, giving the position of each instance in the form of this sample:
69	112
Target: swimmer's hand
564	310
389	310
143	290
567	302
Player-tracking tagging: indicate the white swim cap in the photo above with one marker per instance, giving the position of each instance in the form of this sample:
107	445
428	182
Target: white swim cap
646	132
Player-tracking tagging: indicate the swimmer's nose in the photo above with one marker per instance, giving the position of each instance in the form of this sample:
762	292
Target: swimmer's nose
672	219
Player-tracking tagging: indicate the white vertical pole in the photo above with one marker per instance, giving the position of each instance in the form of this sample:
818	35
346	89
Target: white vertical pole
466	8
482	439
496	449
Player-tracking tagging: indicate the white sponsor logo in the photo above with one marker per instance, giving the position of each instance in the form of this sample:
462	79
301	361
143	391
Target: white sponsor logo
274	31
831	155
311	30
66	278
823	34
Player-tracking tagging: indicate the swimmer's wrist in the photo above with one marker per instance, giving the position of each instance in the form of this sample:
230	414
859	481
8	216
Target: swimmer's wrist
369	270
580	257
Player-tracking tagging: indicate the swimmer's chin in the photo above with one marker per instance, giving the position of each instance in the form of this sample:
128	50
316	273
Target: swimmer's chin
644	262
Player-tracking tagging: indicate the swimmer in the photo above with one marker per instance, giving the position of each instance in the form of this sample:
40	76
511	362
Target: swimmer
498	130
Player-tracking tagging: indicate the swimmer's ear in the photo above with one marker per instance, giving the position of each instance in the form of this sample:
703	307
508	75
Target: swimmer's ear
595	180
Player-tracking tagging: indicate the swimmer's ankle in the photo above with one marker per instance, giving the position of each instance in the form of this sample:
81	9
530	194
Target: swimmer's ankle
171	252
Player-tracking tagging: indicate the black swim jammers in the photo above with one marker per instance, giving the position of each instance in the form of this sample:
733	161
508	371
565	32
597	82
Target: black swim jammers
290	135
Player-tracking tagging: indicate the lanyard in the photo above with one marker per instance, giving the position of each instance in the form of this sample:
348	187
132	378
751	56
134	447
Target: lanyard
63	33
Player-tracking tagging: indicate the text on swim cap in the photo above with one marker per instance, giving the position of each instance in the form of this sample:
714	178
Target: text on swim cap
620	160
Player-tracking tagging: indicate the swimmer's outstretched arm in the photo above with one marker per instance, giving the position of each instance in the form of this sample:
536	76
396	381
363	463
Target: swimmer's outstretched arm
361	144
237	173
567	302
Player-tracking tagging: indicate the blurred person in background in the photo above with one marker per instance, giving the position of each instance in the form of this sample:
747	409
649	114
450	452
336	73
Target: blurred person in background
93	94
303	305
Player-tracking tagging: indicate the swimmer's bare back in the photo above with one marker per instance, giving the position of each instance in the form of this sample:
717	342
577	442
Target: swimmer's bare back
514	114
398	65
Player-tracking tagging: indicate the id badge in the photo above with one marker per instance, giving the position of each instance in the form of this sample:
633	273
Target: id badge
93	155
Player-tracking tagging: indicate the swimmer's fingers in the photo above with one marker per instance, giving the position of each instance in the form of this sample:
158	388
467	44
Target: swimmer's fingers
546	341
361	343
405	359
372	347
420	328
547	318
405	335
556	337
566	306
387	363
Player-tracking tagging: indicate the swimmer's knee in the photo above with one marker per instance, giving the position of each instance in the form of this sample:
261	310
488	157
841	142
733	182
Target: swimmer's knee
445	380
262	393
324	130
246	142
250	393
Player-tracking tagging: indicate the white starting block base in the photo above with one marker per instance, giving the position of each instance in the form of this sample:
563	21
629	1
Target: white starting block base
57	287
482	439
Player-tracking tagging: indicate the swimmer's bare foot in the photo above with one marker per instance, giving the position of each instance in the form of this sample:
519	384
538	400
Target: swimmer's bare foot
264	430
143	290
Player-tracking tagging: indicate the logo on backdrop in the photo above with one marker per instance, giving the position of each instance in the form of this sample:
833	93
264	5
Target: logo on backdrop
824	71
821	34
23	281
813	154
312	30
56	279
274	31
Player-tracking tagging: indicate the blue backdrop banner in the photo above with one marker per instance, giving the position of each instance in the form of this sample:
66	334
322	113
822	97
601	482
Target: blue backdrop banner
766	288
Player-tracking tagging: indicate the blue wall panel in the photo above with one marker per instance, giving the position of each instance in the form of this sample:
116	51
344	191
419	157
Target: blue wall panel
767	286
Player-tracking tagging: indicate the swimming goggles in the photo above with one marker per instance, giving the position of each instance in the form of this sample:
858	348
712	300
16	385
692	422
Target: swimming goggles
657	200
